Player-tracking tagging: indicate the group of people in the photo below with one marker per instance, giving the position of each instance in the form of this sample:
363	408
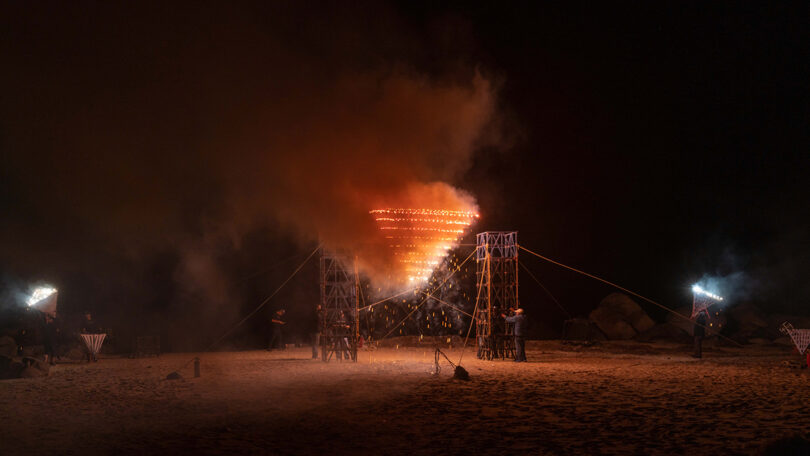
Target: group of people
276	336
52	335
517	319
520	324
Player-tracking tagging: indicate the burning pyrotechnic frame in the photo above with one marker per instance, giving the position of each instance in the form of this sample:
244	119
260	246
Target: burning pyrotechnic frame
496	259
338	324
702	300
421	238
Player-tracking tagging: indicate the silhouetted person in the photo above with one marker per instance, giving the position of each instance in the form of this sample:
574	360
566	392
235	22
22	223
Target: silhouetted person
50	334
315	331
699	332
343	329
276	324
520	323
89	326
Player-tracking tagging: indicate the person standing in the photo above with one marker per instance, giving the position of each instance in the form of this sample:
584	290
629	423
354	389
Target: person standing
520	323
342	330
276	324
315	331
699	332
50	335
89	326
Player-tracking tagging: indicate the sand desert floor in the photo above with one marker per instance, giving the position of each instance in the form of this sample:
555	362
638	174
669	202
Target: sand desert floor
615	398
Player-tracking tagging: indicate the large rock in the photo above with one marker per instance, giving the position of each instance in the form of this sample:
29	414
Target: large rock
665	331
5	367
31	372
12	370
38	364
746	322
75	353
747	318
8	347
619	317
682	320
581	329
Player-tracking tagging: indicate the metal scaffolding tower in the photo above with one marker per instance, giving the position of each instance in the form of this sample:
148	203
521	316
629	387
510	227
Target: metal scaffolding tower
496	260
338	327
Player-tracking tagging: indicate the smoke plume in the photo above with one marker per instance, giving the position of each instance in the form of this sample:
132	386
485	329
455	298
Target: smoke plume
149	146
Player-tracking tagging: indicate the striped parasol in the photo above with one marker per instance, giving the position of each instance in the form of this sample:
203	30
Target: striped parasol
801	337
93	342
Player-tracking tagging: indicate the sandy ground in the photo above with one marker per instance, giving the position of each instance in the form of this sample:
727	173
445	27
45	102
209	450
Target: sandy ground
611	399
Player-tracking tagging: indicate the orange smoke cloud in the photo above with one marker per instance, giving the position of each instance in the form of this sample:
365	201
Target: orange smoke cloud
370	142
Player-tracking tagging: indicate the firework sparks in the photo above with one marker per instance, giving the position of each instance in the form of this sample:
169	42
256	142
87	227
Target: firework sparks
422	238
696	289
39	294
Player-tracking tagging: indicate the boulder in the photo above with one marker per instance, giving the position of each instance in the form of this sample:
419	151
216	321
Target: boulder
5	367
746	322
33	350
747	318
620	318
31	372
666	332
682	319
784	341
581	329
75	353
8	347
38	364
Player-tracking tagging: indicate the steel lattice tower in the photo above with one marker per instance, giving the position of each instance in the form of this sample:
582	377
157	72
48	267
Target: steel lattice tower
496	260
338	326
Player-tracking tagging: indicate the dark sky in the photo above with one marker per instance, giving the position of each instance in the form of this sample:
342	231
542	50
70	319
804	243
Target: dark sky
652	144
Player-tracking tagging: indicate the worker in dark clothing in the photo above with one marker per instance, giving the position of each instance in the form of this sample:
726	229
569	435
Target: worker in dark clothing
342	330
699	332
315	331
276	324
520	323
50	334
89	326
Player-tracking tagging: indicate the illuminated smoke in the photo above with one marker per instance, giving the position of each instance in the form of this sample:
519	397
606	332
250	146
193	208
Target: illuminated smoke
176	160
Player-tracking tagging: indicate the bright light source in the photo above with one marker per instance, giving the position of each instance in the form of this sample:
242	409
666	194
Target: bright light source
698	290
39	294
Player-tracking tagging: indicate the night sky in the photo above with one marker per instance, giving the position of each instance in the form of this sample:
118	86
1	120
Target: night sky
146	150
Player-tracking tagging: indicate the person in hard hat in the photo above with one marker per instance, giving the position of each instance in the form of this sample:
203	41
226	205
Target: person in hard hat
520	323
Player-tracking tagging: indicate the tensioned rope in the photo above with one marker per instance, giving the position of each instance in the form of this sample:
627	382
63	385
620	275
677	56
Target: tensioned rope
545	289
266	300
381	301
260	306
459	309
428	295
475	310
623	289
270	268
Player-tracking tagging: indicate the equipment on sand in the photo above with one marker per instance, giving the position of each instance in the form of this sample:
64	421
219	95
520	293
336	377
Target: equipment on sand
801	338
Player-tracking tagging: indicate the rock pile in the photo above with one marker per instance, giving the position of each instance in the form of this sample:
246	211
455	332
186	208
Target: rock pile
13	367
620	318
